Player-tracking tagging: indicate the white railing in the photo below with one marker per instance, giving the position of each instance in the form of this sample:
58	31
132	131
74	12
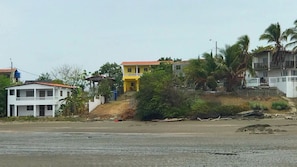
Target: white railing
286	84
132	75
35	98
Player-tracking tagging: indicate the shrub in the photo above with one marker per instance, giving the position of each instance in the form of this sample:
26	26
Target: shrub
229	110
210	109
257	106
280	105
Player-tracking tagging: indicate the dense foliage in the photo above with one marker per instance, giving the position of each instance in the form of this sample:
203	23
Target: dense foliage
158	98
74	104
4	82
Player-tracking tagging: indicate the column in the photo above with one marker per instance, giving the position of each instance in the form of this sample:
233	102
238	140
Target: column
137	85
35	94
54	110
125	86
15	110
34	110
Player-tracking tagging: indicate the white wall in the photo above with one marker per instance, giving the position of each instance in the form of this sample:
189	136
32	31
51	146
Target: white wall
96	102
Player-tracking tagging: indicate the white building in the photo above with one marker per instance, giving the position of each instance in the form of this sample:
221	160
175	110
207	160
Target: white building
282	75
36	99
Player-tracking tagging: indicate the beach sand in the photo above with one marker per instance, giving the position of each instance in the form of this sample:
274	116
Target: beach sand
132	143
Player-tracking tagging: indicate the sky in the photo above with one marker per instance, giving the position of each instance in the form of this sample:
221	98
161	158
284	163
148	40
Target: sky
38	36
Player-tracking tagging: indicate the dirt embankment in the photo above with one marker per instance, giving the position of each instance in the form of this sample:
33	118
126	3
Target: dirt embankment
123	108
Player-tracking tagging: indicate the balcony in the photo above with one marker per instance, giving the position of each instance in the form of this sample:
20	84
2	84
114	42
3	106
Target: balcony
260	66
289	64
274	65
35	98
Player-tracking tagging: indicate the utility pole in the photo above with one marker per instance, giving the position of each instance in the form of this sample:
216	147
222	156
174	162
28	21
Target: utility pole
216	48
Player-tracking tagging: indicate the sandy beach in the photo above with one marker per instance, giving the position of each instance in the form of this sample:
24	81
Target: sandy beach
132	143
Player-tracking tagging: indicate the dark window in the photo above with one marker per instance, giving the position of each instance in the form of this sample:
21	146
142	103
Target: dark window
11	92
42	93
132	83
177	67
49	107
29	108
61	93
68	94
145	69
30	93
129	70
49	93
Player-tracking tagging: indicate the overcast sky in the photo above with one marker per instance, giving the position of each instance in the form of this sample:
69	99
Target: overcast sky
40	35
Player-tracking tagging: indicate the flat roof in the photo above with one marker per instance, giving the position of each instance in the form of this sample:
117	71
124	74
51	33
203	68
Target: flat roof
141	63
7	70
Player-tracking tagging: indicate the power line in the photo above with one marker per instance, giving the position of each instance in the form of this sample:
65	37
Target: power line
27	72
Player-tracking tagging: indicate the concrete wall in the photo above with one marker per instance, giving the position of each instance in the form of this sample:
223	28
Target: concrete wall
98	100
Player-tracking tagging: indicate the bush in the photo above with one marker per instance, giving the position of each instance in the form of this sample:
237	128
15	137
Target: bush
257	106
280	105
211	109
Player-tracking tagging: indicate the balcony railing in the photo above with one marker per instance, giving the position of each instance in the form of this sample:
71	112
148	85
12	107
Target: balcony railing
132	74
260	66
35	98
274	65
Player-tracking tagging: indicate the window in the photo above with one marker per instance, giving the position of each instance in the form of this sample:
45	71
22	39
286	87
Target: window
61	93
29	108
42	93
49	93
11	92
177	67
49	107
145	69
68	94
30	93
138	70
132	84
129	69
294	72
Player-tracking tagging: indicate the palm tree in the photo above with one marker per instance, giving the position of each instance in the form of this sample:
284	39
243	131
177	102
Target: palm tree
231	65
245	56
292	32
196	73
273	34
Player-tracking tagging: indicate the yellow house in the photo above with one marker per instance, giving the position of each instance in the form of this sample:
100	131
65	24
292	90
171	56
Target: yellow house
133	70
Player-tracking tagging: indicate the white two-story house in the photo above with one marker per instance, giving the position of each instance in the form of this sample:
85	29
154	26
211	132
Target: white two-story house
36	99
282	75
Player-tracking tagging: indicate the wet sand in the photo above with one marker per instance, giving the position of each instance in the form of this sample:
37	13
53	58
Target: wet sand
132	143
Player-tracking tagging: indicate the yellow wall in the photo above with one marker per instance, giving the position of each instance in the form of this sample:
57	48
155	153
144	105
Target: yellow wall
133	76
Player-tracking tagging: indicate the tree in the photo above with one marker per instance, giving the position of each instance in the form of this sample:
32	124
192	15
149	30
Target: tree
273	34
4	82
114	71
44	77
292	33
104	88
158	98
196	73
231	65
71	75
75	104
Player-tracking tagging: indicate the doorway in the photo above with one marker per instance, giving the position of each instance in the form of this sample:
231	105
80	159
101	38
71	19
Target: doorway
42	110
